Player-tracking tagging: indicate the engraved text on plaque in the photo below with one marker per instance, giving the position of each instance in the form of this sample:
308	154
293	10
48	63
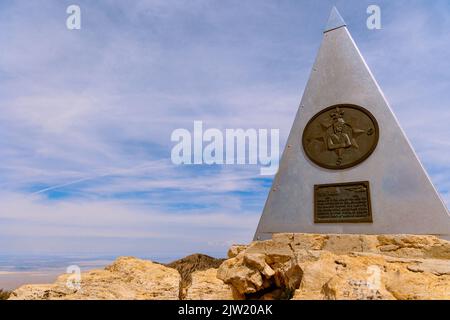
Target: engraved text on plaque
342	202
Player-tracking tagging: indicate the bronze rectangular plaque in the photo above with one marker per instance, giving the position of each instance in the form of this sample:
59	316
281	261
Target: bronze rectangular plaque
342	202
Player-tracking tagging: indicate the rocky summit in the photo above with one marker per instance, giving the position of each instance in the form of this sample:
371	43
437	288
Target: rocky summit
289	266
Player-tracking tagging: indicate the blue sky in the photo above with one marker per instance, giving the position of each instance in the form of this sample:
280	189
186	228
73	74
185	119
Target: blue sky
91	112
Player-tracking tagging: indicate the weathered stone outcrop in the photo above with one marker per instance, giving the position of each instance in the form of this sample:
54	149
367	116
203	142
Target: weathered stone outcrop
206	286
126	278
263	267
289	266
313	266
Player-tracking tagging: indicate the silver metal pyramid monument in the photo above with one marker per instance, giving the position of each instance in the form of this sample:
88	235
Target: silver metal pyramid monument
348	166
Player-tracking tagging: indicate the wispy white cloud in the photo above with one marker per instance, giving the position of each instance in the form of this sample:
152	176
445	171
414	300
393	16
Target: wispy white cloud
32	216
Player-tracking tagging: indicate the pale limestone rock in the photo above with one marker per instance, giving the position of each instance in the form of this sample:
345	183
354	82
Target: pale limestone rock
297	266
239	276
414	246
126	278
315	275
436	267
235	250
34	292
407	285
313	266
263	265
206	286
258	261
344	277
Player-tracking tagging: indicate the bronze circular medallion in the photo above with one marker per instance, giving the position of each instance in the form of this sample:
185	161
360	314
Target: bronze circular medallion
340	136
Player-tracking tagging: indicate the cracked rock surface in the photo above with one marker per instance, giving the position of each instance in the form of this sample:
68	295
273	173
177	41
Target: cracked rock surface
126	279
319	266
289	266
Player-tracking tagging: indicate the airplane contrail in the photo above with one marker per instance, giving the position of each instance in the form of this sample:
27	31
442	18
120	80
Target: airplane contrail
119	171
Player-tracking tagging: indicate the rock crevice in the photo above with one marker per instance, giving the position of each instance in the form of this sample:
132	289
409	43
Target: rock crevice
289	266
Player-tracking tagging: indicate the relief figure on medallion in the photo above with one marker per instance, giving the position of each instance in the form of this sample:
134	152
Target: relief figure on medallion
340	136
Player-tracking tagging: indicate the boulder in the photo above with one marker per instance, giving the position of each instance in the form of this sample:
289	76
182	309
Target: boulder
206	286
127	278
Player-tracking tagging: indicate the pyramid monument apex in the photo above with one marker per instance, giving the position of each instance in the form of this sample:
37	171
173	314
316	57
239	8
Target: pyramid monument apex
348	166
